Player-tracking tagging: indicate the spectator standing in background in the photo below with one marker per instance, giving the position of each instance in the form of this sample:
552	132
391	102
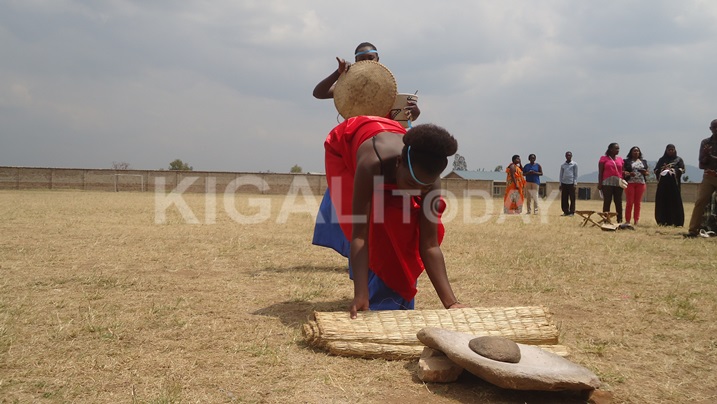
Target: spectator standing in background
568	184
532	172
669	210
636	172
708	163
514	187
610	172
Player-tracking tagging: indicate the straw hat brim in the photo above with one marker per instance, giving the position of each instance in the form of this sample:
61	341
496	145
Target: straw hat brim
367	88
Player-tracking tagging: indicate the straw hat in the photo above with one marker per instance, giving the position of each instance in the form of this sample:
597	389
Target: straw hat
367	88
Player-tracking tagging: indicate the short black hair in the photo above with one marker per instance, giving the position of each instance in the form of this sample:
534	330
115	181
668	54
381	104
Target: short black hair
431	145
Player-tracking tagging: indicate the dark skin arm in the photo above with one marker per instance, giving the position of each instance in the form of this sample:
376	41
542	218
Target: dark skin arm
705	156
432	255
367	165
412	110
325	89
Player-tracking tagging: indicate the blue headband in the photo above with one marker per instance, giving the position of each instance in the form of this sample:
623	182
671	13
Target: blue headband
365	52
410	167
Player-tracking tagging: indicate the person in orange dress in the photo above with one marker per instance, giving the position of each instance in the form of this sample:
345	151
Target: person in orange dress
514	187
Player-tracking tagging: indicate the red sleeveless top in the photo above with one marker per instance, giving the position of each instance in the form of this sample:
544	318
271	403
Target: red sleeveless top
393	244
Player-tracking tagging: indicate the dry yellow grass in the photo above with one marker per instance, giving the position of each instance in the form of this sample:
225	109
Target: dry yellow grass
98	303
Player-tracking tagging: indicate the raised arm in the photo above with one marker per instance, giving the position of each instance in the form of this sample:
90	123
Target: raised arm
325	88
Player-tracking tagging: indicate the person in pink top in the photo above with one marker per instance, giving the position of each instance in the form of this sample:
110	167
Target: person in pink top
610	172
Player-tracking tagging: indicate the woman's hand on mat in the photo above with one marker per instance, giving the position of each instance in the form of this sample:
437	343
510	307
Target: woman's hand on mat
359	304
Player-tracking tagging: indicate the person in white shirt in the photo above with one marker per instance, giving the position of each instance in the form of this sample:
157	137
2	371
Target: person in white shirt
568	184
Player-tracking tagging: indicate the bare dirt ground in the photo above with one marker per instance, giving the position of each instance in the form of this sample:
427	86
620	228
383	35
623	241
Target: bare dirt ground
100	303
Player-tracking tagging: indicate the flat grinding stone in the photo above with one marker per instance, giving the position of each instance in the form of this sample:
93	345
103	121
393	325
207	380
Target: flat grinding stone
536	370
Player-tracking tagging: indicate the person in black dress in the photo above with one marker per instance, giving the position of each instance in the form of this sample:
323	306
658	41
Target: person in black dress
668	199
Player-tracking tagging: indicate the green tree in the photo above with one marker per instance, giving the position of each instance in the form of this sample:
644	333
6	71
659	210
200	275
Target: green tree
296	169
179	165
498	169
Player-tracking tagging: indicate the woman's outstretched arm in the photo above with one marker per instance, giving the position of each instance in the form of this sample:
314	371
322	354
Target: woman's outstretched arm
431	252
362	198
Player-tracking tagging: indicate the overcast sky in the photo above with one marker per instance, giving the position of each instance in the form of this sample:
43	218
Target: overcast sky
225	85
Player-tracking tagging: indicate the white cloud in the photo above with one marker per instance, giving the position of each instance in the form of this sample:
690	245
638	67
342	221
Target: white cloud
226	85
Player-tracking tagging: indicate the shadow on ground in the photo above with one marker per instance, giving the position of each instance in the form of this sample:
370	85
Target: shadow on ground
302	268
295	314
472	389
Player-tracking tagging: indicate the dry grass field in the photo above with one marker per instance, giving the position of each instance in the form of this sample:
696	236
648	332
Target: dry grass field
99	303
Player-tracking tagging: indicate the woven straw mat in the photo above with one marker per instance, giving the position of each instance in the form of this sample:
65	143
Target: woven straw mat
391	334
